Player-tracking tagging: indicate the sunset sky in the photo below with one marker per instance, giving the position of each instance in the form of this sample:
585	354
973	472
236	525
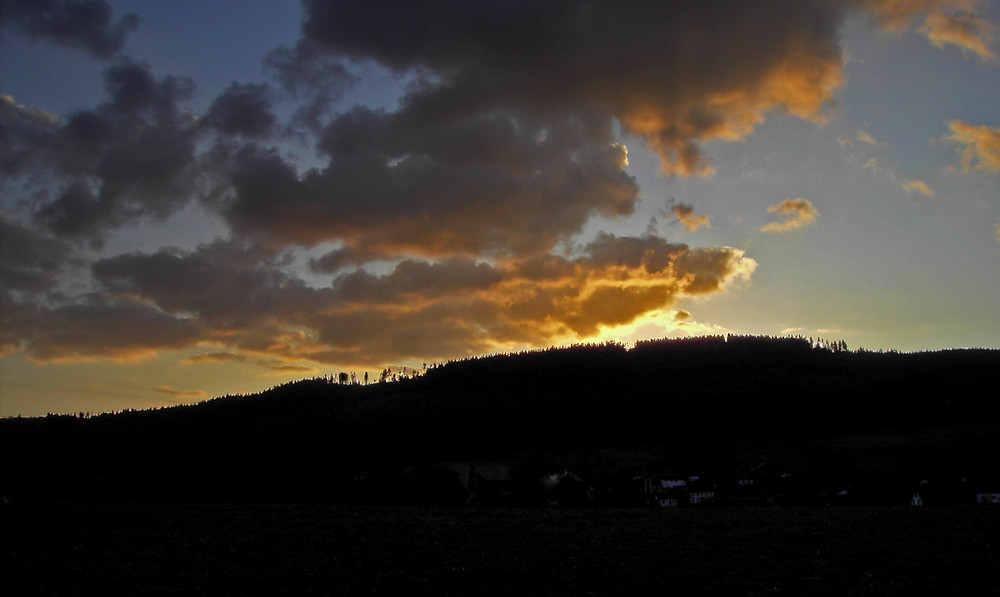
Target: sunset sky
202	198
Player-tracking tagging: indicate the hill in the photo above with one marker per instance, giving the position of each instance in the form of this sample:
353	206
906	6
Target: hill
716	406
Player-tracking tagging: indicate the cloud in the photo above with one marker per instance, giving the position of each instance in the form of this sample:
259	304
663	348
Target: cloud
168	391
243	109
392	187
896	15
29	260
980	146
419	309
216	357
686	216
494	149
28	137
129	158
132	157
226	285
93	327
909	185
314	79
83	24
965	30
916	186
506	144
947	22
598	61
798	213
866	138
293	369
539	301
273	365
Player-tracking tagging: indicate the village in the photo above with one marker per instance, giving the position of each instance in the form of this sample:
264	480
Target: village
491	483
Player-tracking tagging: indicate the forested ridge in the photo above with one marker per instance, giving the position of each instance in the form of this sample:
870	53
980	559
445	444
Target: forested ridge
314	439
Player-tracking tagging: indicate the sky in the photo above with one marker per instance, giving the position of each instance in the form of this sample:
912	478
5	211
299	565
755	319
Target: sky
207	198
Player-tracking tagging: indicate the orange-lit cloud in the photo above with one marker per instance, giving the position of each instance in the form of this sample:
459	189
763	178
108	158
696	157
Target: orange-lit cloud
798	213
947	22
896	15
294	369
186	394
866	138
691	221
800	83
216	357
963	30
980	146
916	186
252	312
907	184
538	301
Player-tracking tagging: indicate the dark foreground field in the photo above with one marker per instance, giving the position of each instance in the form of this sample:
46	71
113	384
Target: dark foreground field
81	549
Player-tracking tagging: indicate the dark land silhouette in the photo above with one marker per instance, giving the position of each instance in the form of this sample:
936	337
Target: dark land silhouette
310	549
719	420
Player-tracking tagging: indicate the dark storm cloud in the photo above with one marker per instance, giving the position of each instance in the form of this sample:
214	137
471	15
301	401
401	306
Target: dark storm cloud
673	73
412	280
29	260
136	93
243	109
27	138
312	78
95	326
336	260
504	144
487	184
130	157
85	24
226	285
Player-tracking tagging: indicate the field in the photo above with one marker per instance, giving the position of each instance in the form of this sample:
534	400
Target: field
161	549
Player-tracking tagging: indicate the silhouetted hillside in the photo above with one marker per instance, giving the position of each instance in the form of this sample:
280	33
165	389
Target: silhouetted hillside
681	403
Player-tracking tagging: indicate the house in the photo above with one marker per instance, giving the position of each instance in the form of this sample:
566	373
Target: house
701	497
483	481
667	502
